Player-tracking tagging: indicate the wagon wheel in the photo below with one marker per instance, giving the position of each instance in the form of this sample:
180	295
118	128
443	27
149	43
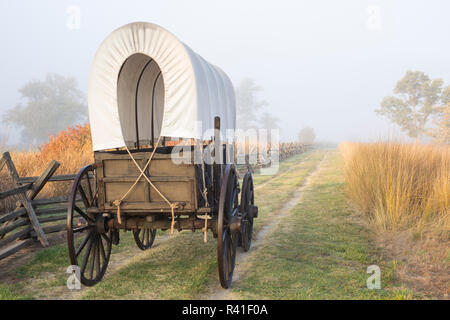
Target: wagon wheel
93	252
247	201
227	240
144	240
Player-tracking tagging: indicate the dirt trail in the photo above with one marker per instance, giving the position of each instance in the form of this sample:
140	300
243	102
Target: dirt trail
243	263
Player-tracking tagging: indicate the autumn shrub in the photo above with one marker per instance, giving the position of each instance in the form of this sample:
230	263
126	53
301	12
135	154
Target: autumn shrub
72	148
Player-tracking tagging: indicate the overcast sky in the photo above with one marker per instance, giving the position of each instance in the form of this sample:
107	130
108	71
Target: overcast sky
326	64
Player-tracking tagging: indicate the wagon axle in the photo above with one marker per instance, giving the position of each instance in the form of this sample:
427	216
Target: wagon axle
189	223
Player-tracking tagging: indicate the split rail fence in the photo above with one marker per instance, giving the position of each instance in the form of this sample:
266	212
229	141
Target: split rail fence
32	219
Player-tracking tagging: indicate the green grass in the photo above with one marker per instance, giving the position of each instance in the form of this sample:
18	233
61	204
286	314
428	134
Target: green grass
12	292
177	269
319	251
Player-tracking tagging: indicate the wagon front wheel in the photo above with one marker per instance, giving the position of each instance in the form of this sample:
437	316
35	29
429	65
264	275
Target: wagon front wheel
144	238
227	238
88	238
246	209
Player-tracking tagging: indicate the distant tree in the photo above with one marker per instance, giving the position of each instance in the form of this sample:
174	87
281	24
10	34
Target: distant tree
268	121
49	106
306	135
247	104
441	130
413	104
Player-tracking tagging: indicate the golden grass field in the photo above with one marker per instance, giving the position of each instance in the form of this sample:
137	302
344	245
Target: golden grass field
400	186
403	191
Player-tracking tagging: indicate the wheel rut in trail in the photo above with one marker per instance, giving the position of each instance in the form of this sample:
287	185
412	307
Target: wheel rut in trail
243	258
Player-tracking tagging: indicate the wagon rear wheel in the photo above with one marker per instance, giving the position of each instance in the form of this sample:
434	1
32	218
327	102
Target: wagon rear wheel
144	238
227	240
88	238
246	207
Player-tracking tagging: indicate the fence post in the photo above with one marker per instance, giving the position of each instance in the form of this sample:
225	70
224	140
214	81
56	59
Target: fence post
25	201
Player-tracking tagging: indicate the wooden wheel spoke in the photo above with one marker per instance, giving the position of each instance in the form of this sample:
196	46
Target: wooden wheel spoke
107	239
83	243
97	257
102	251
94	199
90	194
81	229
86	255
228	257
81	213
83	196
142	235
92	261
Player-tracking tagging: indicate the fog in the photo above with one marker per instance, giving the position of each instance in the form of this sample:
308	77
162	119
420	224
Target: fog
324	64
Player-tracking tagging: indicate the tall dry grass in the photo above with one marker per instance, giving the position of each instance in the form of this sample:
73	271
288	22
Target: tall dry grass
400	186
71	147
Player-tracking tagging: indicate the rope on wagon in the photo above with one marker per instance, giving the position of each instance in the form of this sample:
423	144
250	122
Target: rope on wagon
205	197
171	205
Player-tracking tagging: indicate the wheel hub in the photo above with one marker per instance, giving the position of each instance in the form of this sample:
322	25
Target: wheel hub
100	224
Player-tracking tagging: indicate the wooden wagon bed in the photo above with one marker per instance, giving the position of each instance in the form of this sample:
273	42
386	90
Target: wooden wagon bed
116	173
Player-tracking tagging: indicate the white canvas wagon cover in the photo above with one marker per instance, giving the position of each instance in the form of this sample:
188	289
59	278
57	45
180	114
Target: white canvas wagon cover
145	83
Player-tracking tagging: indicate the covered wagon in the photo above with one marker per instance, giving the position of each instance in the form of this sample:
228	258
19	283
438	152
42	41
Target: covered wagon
147	92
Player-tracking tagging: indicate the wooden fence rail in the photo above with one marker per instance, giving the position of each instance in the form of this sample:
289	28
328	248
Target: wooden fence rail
32	218
263	159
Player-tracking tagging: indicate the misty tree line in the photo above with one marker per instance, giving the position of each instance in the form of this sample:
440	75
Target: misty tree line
420	106
47	107
55	103
417	102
